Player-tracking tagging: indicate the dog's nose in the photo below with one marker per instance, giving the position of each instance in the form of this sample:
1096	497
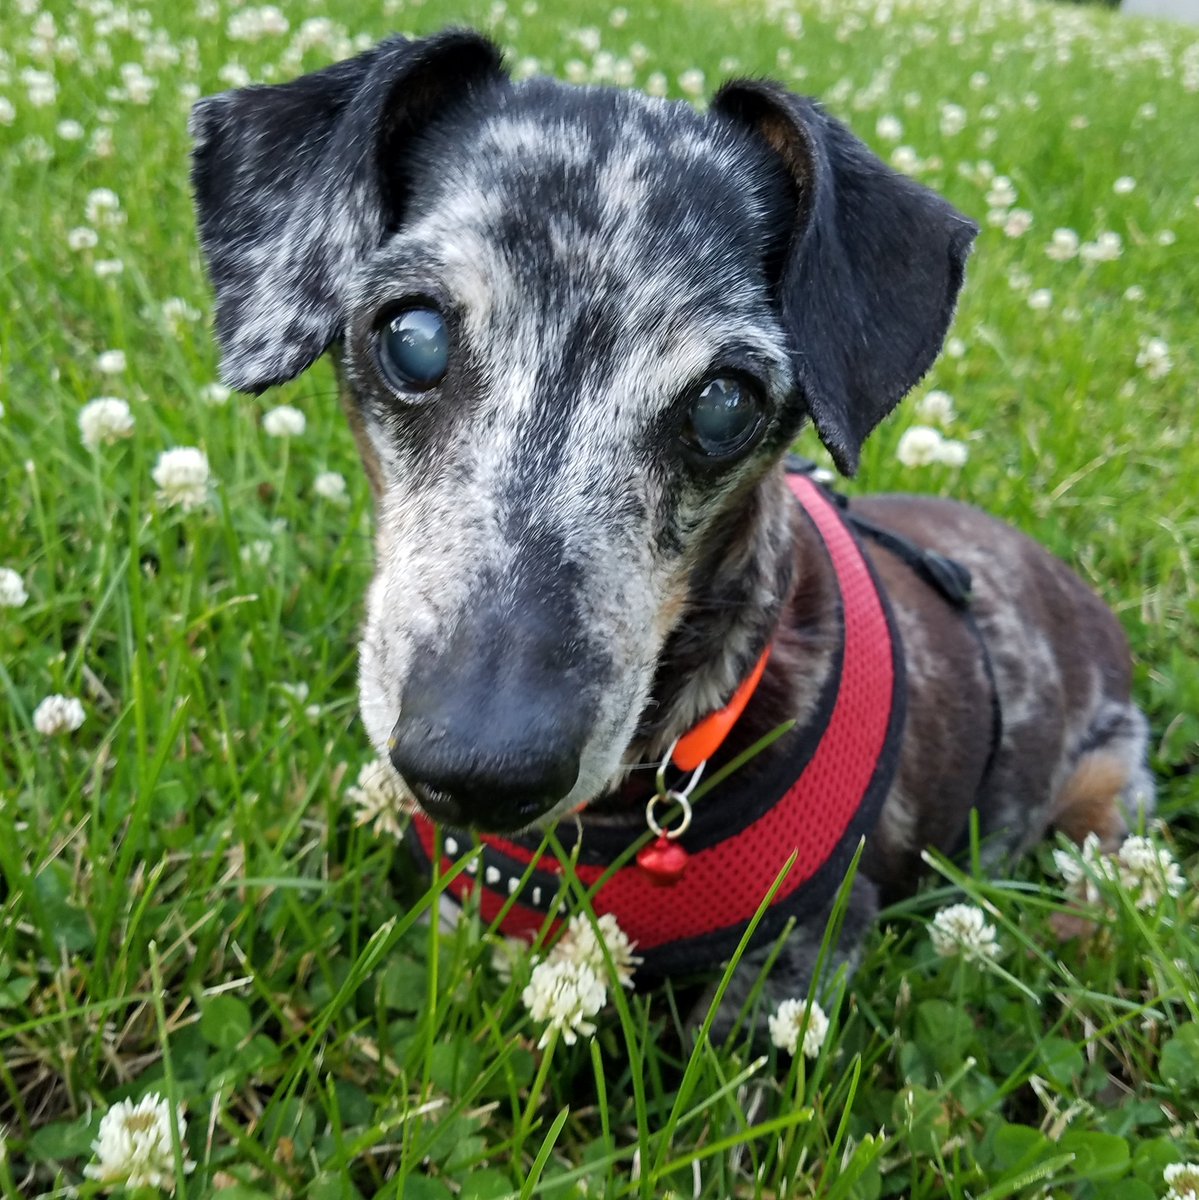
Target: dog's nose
493	724
464	784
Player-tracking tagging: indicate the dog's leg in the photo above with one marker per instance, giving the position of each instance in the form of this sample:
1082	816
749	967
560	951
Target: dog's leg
793	969
1110	788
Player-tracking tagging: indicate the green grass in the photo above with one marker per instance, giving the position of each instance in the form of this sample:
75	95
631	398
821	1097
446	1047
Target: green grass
186	904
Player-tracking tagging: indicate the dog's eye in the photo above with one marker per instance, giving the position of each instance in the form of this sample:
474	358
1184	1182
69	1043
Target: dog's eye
414	349
723	418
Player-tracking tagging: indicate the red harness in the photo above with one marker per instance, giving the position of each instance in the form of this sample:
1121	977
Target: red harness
817	793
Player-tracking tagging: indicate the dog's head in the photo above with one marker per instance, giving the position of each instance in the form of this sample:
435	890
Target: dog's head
577	328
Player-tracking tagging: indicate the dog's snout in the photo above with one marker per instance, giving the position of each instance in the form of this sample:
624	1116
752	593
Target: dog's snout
465	783
493	724
484	759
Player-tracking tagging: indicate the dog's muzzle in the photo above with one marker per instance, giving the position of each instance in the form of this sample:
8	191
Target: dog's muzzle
492	728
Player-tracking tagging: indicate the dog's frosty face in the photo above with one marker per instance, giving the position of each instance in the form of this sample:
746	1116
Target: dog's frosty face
577	329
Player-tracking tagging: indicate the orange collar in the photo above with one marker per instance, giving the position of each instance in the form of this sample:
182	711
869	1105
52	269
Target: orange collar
703	740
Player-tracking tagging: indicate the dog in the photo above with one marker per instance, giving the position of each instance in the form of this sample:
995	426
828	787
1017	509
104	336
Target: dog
577	330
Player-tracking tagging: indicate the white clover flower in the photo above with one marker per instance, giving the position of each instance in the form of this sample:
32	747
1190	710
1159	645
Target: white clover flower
889	127
1002	194
257	553
234	74
284	422
1154	357
101	144
589	38
565	995
786	1023
1182	1179
691	82
12	589
963	929
104	421
1040	300
955	347
8	113
215	394
953	119
253	24
1018	223
176	312
1166	237
919	446
953	453
380	799
580	945
36	149
1148	873
935	407
1063	246
1107	247
103	208
182	477
82	238
1124	185
58	714
40	87
1071	864
69	130
905	159
331	486
139	87
1134	293
317	31
106	268
134	1147
111	362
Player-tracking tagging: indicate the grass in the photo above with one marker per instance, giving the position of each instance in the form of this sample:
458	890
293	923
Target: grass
186	903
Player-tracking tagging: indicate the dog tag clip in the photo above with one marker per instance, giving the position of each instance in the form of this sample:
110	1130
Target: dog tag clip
664	861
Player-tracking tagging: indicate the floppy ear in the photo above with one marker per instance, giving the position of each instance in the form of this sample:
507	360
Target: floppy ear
292	188
870	278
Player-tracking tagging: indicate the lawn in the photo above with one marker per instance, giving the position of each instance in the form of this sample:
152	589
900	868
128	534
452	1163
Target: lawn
194	901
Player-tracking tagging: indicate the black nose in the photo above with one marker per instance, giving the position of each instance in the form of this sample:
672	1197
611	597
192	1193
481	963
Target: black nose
493	722
462	783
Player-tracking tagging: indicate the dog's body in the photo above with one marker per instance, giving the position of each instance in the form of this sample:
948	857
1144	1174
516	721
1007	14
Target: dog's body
577	329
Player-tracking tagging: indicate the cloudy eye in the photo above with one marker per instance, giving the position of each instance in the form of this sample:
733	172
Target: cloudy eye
724	416
414	349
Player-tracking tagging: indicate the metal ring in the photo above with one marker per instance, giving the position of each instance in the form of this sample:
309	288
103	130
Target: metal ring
660	777
678	798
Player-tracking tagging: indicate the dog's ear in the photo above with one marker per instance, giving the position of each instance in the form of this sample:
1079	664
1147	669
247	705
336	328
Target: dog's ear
869	280
293	185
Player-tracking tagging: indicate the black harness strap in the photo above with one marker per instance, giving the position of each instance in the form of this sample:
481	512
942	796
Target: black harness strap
946	576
